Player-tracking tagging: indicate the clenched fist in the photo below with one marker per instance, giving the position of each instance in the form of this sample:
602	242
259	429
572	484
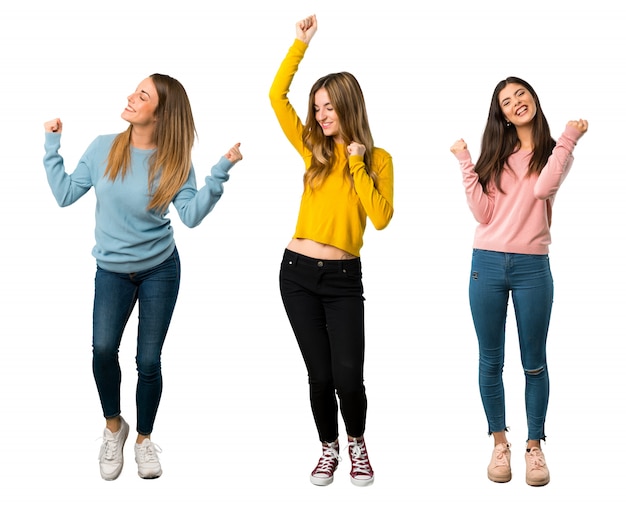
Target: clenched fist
54	126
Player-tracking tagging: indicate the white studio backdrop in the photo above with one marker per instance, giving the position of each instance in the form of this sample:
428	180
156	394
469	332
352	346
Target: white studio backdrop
234	422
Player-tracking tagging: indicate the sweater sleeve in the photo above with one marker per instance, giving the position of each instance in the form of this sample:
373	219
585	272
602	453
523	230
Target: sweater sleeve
559	164
377	200
285	113
66	188
194	205
480	203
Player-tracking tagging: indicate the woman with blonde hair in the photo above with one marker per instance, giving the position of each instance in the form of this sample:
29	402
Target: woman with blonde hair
136	175
347	180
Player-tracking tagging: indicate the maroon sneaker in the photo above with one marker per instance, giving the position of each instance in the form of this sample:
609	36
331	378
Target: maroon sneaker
323	474
362	473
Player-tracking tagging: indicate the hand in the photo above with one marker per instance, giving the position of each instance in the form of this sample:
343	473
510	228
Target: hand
233	154
306	28
458	146
581	125
54	126
354	148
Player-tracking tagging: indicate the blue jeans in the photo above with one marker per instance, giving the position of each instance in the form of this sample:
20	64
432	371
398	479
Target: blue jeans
323	300
156	290
528	279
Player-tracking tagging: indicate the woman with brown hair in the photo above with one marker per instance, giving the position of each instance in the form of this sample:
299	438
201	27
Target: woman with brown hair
346	181
511	191
136	175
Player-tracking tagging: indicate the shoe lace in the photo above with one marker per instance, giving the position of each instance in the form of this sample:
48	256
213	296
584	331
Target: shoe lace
358	455
147	452
108	449
536	457
500	458
329	459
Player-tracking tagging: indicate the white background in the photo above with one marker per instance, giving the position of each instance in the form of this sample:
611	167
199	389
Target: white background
235	424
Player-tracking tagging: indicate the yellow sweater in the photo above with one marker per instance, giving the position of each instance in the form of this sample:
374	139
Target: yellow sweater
335	212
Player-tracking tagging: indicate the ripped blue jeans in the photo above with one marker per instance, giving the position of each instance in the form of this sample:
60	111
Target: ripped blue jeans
528	280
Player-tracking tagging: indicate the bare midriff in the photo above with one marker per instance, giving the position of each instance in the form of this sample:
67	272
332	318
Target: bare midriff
317	250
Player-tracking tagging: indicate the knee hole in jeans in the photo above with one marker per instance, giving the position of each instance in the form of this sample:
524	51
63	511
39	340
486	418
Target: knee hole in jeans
538	371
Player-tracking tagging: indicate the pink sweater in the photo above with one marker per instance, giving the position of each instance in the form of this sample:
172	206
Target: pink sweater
518	221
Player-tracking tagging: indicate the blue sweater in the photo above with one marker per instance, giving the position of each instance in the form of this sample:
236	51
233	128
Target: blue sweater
129	237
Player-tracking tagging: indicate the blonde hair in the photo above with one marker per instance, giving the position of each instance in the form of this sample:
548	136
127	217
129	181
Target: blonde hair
174	137
347	99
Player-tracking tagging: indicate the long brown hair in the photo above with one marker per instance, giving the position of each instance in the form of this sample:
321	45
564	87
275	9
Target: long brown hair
174	136
347	99
500	139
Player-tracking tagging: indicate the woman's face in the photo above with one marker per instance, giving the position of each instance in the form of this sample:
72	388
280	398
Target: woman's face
517	104
142	104
325	114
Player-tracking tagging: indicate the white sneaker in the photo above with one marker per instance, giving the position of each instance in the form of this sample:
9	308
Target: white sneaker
111	452
147	458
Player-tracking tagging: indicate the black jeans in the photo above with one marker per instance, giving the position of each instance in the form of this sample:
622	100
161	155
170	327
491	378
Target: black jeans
324	303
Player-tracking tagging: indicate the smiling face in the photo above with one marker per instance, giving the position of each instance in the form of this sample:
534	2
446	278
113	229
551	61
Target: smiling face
325	114
142	104
517	104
